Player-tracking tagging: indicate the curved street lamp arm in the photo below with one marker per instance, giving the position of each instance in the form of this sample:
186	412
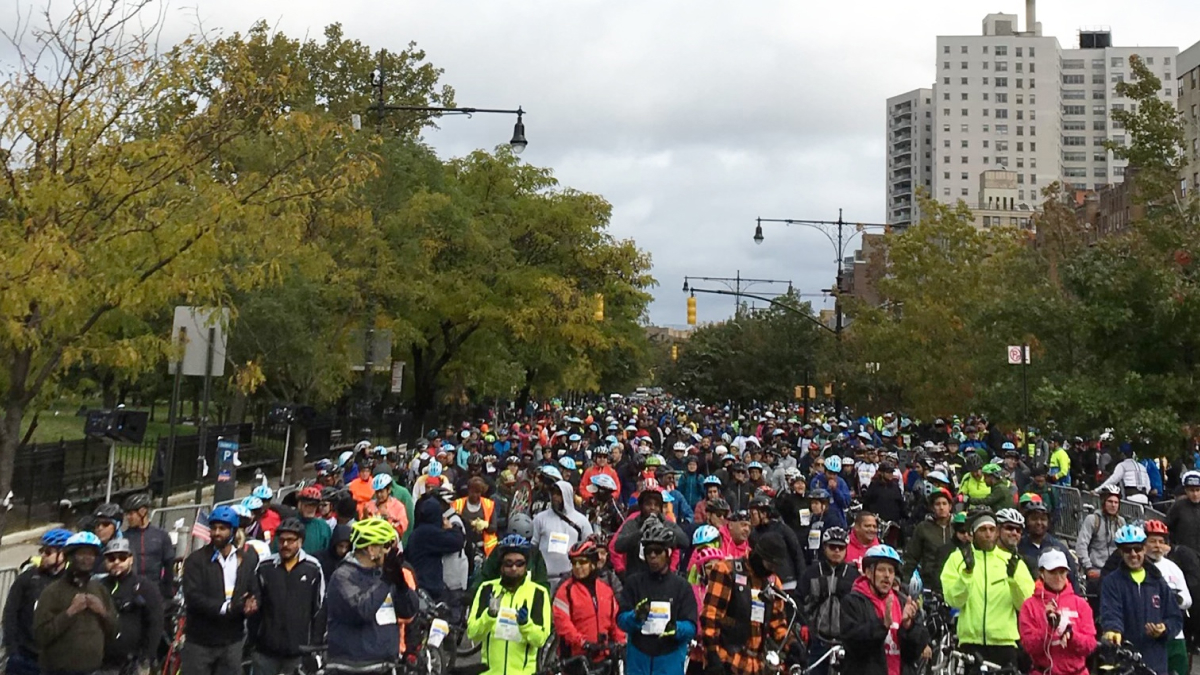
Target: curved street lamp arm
772	302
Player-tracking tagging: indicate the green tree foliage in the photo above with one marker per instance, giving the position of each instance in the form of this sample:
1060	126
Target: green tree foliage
757	355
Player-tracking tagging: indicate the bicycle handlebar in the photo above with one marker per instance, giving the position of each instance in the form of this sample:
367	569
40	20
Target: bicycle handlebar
367	669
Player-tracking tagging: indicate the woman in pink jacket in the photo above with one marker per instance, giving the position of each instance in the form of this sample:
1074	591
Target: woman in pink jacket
1057	628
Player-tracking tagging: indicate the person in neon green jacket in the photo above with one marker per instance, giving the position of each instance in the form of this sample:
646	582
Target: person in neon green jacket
511	615
974	487
988	585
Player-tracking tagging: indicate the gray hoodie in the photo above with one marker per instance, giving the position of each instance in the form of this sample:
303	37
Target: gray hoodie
1095	543
554	534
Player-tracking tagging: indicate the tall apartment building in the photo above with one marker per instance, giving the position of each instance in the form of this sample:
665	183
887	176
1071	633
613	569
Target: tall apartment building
1188	89
909	153
1015	100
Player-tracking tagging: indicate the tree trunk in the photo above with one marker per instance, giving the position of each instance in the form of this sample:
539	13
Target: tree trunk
237	412
296	453
526	390
10	426
108	392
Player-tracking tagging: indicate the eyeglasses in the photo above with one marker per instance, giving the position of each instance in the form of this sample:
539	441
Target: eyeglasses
514	564
1128	550
654	550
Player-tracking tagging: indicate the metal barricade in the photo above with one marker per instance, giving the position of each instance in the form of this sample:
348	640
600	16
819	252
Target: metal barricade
177	521
7	576
1070	512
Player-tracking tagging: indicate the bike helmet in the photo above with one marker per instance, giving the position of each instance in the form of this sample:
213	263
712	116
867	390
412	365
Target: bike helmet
819	494
1010	517
381	451
133	502
109	512
833	464
654	460
1106	491
567	463
935	493
381	482
705	534
371	531
959	521
312	493
253	503
514	543
601	481
242	512
1034	506
1130	534
82	539
712	480
972	463
601	539
118	545
761	502
718	505
360	447
1157	527
323	466
263	492
1030	497
754	465
1191	479
991	469
522	524
837	535
550	471
292	525
655	532
680	445
881	553
344	459
792	474
585	549
56	538
225	514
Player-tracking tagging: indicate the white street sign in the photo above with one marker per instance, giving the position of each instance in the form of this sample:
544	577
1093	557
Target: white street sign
197	321
1018	354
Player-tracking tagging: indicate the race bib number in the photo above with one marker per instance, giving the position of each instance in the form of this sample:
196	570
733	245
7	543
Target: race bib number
386	614
660	616
814	540
758	608
559	543
506	625
438	631
805	517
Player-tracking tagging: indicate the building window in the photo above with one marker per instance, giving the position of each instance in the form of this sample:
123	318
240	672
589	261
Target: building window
985	128
964	81
1149	60
1001	113
946	192
1033	160
1098	78
1074	140
1074	94
1098	95
1072	64
1002	129
1021	178
1020	99
1074	156
964	160
1019	50
1074	110
945	128
985	143
964	192
1099	125
964	96
1032	130
1099	141
965	65
965	128
945	159
1074	125
966	143
1118	62
1033	179
1002	81
1032	101
1001	66
966	112
1032	84
985	160
1032	69
1100	172
1020	130
964	176
1075	172
946	81
945	96
946	49
945	142
985	81
1002	161
985	96
945	65
985	112
945	112
985	65
1001	50
1002	97
945	175
1118	171
1031	53
964	49
1020	114
1166	61
985	49
987	221
1020	67
1020	146
1117	77
1100	157
1097	64
1167	91
1002	146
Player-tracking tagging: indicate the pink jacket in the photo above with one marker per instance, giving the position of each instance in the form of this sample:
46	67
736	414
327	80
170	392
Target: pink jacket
1055	651
732	549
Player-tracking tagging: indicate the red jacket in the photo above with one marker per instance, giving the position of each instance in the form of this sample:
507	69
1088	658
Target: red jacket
855	551
583	616
1054	652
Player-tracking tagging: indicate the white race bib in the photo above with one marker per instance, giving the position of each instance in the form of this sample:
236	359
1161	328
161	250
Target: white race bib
660	616
758	609
438	631
506	625
559	543
386	614
814	540
805	517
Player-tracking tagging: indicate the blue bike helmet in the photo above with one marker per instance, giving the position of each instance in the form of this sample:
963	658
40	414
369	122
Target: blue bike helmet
381	482
226	514
253	503
705	534
567	463
881	553
514	543
56	538
263	492
82	539
833	464
1130	534
712	480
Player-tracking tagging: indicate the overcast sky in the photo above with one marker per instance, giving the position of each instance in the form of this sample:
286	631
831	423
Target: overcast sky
692	117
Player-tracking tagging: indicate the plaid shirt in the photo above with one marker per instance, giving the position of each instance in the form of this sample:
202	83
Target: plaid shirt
714	619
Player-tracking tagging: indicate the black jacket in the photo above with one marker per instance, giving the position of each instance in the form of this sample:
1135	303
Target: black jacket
789	573
739	495
427	545
18	611
291	611
664	587
814	587
329	558
204	596
139	619
153	556
1183	519
629	542
863	635
885	499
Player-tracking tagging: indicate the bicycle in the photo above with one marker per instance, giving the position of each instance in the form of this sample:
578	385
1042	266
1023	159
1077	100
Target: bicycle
962	663
834	655
1120	660
583	664
939	620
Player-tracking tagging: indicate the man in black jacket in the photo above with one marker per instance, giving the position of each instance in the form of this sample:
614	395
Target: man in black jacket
879	628
19	640
291	613
220	591
139	608
764	520
153	552
1183	518
821	590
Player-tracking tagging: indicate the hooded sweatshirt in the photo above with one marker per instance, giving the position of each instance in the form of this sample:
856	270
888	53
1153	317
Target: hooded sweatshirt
429	543
329	558
555	533
873	643
1061	649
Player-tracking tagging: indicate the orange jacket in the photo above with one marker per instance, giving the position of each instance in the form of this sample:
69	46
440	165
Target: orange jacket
360	489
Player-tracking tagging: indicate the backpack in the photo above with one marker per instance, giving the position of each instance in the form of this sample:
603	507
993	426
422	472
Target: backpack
826	617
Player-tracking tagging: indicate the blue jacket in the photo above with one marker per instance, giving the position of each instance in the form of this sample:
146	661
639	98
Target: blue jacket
683	510
657	655
358	631
840	500
1155	475
428	543
1126	608
691	485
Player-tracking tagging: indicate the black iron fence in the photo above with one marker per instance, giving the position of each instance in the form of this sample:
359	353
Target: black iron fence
56	481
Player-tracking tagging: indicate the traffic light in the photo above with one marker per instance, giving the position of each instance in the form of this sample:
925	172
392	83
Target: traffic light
599	315
812	392
829	389
674	352
692	310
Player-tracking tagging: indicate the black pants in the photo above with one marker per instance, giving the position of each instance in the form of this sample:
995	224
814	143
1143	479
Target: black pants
1001	656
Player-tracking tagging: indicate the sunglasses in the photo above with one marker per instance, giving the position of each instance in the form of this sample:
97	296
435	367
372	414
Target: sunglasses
655	550
117	557
836	547
1127	550
514	564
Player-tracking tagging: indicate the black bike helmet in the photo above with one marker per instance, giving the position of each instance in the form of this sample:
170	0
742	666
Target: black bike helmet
292	525
109	512
655	532
136	501
972	463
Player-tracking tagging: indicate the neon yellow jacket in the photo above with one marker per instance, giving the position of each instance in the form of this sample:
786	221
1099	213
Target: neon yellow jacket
976	490
511	657
987	598
1060	465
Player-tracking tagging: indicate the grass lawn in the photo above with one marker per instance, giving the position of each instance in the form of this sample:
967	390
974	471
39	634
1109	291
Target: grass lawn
63	424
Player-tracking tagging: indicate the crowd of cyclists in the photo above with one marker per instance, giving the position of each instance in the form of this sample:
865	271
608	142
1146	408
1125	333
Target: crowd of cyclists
654	536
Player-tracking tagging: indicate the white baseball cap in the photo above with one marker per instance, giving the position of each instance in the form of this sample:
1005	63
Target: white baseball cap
1053	559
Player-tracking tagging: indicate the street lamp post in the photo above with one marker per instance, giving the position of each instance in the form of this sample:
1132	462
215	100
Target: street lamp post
738	284
834	231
